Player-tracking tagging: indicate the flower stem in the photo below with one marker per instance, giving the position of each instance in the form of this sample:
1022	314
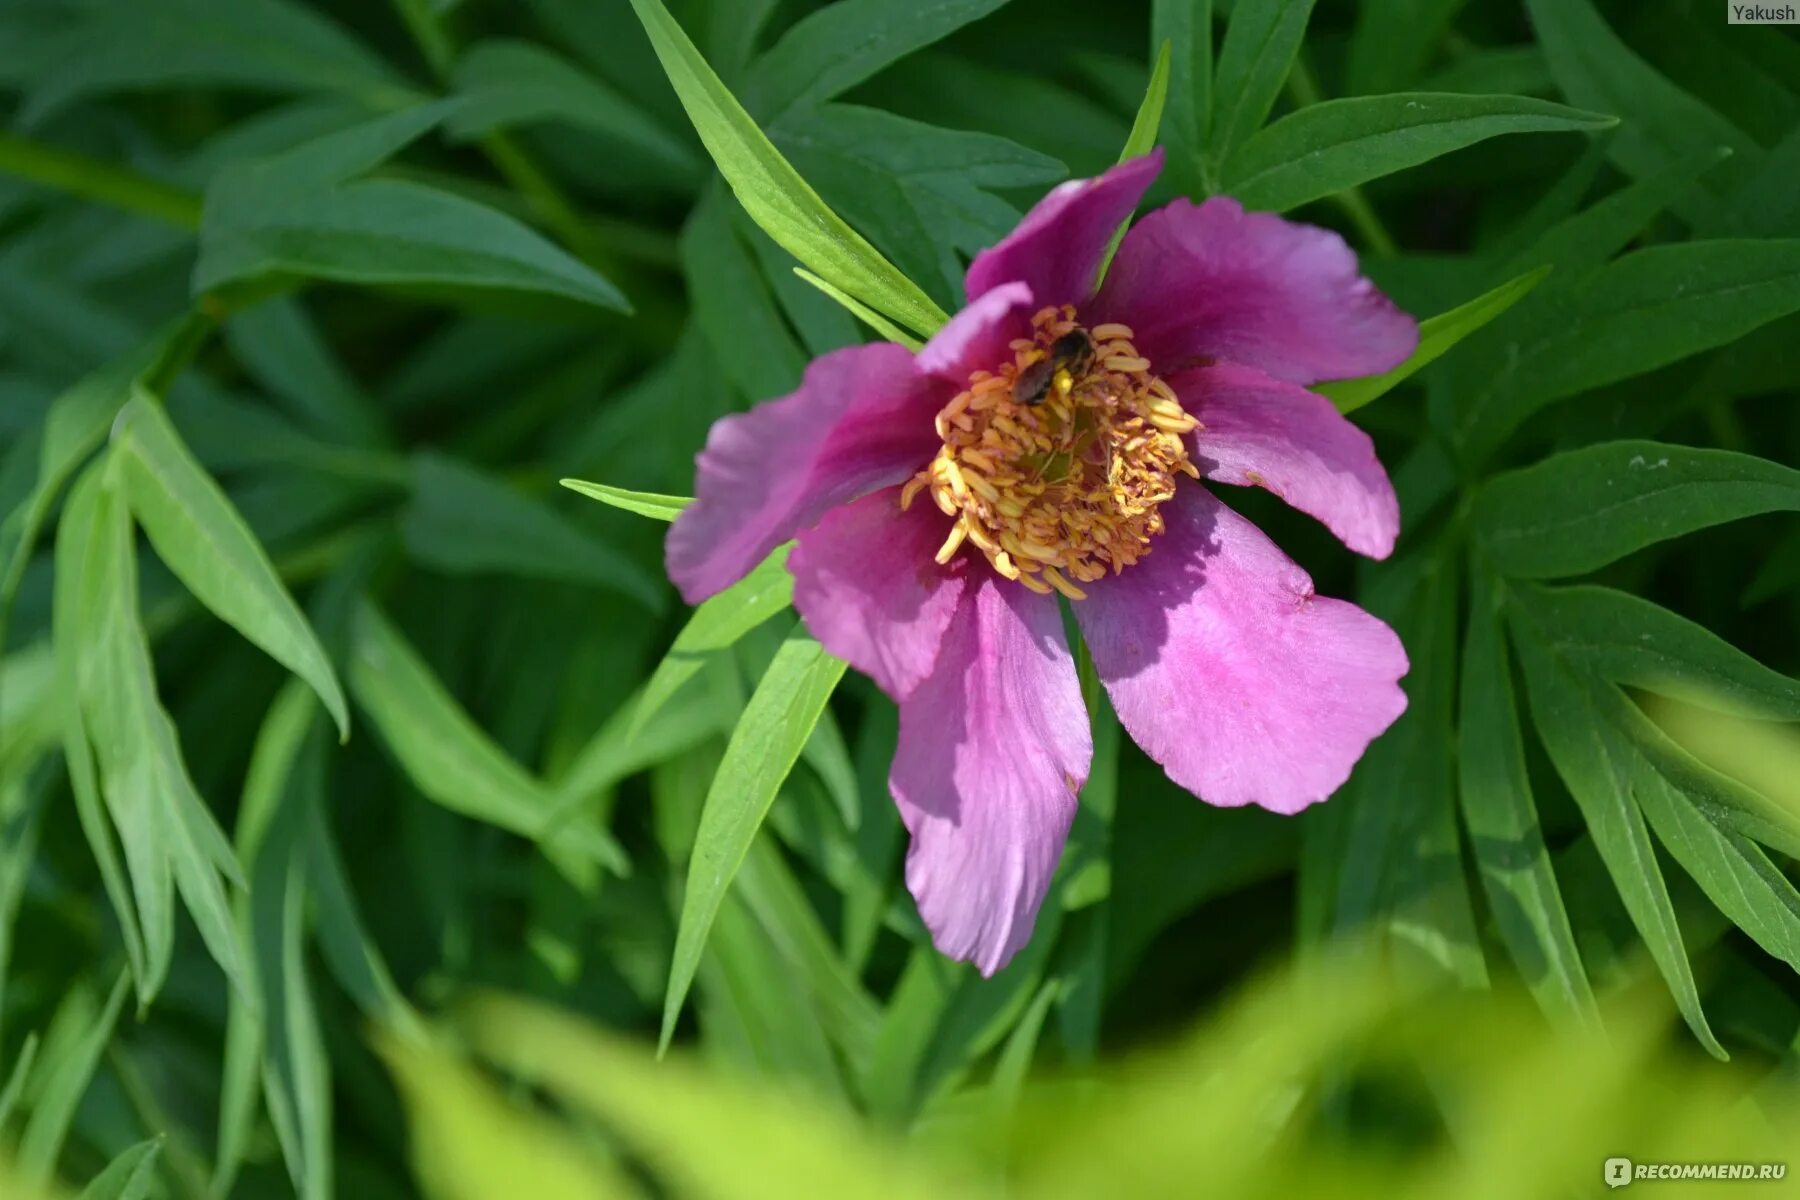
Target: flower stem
1303	87
91	179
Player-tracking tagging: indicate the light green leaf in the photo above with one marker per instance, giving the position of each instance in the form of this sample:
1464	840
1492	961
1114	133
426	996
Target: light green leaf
148	935
204	541
1577	511
773	193
75	425
64	1072
167	830
17	1074
644	504
718	623
768	739
1329	147
863	313
1261	40
448	757
129	1176
1436	336
463	521
1141	140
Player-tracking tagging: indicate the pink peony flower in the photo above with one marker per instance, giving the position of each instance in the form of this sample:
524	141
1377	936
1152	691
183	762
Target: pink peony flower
1050	439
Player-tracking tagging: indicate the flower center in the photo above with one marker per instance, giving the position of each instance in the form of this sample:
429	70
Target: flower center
1054	465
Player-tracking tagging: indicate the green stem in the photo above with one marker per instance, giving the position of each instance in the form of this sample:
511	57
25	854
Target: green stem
1304	89
433	42
92	179
553	209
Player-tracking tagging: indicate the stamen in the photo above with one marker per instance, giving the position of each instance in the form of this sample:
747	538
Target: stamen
1065	490
953	543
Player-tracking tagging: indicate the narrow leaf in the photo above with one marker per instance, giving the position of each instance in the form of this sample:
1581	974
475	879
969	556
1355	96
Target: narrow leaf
1629	640
201	537
1329	147
863	312
644	504
768	739
129	1176
1261	40
773	193
1436	336
1501	815
717	623
448	757
1588	760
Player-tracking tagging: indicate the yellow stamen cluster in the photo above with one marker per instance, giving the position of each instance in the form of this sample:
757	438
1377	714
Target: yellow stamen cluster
1058	493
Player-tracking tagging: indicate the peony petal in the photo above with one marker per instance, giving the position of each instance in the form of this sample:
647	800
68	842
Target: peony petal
1228	671
1261	432
993	748
1211	281
979	337
861	420
1057	248
869	589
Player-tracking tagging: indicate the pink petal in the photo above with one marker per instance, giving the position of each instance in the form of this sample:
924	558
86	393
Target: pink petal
1056	249
1211	281
993	748
979	337
867	585
1265	433
861	420
1228	671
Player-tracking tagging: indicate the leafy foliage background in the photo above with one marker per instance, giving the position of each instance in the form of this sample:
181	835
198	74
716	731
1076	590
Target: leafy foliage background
326	715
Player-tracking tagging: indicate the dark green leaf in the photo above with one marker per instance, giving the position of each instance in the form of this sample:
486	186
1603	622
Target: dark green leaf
508	83
1330	147
451	759
831	50
1502	820
1261	40
463	521
1629	640
1579	510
